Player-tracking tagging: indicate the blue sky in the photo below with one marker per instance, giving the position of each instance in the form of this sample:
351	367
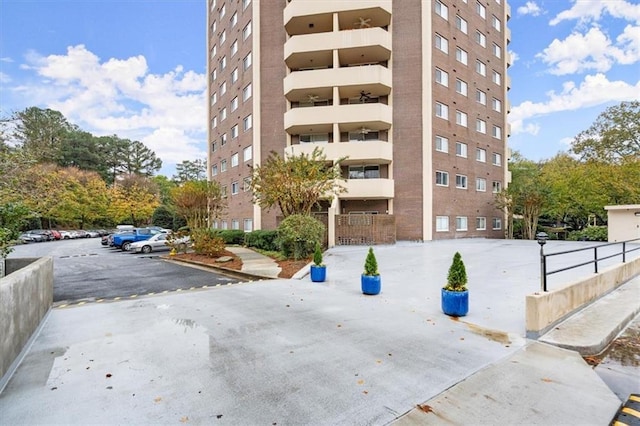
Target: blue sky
137	68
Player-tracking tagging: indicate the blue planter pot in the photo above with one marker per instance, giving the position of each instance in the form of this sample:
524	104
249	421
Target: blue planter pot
318	273
455	303
370	284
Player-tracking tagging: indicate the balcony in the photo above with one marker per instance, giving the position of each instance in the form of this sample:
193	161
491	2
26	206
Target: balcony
376	152
304	17
368	189
350	117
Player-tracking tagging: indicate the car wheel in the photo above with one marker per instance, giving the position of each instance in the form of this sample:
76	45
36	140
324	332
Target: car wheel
126	245
146	249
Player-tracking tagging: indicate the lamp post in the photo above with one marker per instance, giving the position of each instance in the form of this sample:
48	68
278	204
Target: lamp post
542	238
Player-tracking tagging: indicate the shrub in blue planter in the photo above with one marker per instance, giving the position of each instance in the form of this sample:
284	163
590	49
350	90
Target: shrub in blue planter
318	269
370	279
455	296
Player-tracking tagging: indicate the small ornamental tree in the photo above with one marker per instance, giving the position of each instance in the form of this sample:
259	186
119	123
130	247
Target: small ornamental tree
298	235
457	277
317	256
371	264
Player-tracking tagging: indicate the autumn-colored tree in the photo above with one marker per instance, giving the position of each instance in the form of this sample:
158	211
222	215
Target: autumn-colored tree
133	199
84	199
296	184
200	202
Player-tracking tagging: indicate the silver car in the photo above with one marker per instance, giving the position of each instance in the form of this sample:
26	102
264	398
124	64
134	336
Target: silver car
155	243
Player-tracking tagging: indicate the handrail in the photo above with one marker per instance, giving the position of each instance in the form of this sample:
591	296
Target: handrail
543	259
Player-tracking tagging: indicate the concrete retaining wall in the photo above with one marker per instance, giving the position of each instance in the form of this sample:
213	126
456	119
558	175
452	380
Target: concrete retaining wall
26	295
545	310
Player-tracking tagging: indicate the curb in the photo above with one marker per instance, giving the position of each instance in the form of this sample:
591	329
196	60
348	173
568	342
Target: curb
234	273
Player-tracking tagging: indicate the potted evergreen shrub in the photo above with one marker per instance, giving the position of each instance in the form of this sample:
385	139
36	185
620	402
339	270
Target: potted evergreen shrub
318	269
455	296
370	278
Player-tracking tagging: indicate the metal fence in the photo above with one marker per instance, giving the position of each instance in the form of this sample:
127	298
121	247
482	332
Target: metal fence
365	229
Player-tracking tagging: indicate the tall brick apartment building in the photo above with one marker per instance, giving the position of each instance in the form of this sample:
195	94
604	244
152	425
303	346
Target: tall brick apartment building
413	92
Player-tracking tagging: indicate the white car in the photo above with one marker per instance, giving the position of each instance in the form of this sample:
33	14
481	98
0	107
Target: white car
156	243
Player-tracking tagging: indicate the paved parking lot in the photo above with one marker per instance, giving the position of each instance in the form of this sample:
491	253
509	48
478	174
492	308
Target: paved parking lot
84	270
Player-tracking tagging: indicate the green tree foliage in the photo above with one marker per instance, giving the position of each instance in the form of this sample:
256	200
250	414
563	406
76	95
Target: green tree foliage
295	184
165	186
614	137
12	216
190	170
41	132
133	200
298	235
371	264
163	216
457	276
199	202
317	255
140	160
79	149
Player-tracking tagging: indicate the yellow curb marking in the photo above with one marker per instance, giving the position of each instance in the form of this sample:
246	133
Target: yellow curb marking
133	296
63	306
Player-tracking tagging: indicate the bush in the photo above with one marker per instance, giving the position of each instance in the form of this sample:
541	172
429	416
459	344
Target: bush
457	276
207	242
230	236
298	235
317	255
591	233
262	240
371	264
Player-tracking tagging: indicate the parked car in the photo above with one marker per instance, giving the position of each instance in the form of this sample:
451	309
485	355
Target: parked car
46	234
66	235
124	239
157	242
92	233
31	237
56	234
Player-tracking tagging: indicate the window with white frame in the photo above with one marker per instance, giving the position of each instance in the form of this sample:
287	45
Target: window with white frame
442	77
246	184
442	223
234	75
461	24
245	3
214	75
223	10
481	10
234	104
223	88
214	170
442	178
234	48
246	31
213	52
247	153
247	122
481	223
461	149
461	118
234	159
246	92
442	144
246	62
235	224
214	122
496	186
223	114
461	182
234	132
481	39
481	155
496	159
497	223
235	188
442	111
496	132
496	78
442	43
442	10
223	62
461	87
214	98
364	172
248	225
497	51
481	184
223	166
495	22
223	139
481	126
214	146
223	223
234	19
496	105
462	56
481	97
481	68
461	223
223	37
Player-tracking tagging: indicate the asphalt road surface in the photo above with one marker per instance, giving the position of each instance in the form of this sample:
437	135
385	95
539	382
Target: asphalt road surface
85	270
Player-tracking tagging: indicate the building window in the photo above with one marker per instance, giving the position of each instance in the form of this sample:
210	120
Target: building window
481	155
442	144
461	87
496	132
235	224
234	159
497	223
461	118
246	62
247	153
214	170
442	178
223	166
442	77
497	51
223	114
481	126
234	75
247	122
234	19
495	22
245	3
442	43
246	184
497	186
442	10
246	31
481	10
461	181
461	149
234	104
481	39
223	224
364	172
496	78
214	51
323	137
481	184
214	122
496	159
246	92
223	10
496	105
223	37
442	111
223	63
223	139
481	97
234	132
481	223
461	56
214	146
223	88
442	223
214	98
234	48
235	188
248	225
481	68
461	223
461	24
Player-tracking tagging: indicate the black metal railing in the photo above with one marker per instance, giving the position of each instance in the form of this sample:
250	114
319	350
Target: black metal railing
544	273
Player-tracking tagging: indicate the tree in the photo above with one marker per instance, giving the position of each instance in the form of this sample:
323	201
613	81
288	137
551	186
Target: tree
41	132
614	137
190	170
80	149
133	199
296	183
140	160
200	202
84	198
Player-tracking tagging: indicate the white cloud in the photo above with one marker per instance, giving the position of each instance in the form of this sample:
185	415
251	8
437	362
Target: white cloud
530	8
4	78
592	10
6	59
594	90
514	57
167	111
